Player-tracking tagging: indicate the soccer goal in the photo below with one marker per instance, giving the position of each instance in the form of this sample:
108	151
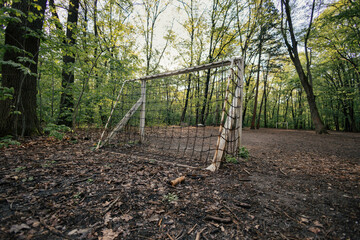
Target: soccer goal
193	114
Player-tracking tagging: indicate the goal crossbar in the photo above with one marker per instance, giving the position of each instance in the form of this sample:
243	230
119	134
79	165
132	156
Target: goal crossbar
189	69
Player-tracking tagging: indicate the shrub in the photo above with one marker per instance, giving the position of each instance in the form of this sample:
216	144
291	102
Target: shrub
244	153
7	141
231	159
56	131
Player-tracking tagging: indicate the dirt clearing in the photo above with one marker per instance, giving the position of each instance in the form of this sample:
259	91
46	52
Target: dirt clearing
295	185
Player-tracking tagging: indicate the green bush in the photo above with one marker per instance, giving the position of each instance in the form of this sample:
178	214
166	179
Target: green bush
231	159
56	131
7	141
244	153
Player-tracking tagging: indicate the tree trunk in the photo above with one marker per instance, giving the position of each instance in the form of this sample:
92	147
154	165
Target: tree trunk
259	116
257	79
264	97
67	101
300	114
293	110
23	37
207	83
305	79
182	119
286	108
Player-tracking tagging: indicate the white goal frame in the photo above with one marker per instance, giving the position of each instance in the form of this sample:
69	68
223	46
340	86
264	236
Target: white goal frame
236	74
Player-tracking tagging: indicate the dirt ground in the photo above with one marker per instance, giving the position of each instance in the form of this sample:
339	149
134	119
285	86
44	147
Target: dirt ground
295	185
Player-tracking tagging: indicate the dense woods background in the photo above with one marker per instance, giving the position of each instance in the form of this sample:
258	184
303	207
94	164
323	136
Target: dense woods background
63	62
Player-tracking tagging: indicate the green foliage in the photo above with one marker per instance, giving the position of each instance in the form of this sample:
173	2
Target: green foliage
77	195
19	169
57	131
170	197
6	93
231	159
48	164
90	180
29	179
7	141
244	152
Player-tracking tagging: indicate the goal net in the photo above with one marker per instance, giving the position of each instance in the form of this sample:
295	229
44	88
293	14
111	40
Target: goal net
193	114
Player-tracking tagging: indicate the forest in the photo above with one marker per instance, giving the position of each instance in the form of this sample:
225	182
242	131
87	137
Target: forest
63	62
112	113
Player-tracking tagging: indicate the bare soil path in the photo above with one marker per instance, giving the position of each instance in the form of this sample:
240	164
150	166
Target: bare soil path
295	185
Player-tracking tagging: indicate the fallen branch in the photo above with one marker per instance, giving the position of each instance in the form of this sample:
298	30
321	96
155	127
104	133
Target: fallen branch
230	210
247	171
198	234
282	172
52	229
171	238
177	181
192	229
218	219
111	204
243	205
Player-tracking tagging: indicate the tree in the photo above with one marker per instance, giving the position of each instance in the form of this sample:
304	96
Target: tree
287	29
19	68
336	47
153	9
222	35
67	102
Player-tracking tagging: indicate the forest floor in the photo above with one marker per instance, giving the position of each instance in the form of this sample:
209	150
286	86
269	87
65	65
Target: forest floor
294	185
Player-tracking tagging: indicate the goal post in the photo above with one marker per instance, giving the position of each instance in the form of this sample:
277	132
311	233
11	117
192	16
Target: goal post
209	95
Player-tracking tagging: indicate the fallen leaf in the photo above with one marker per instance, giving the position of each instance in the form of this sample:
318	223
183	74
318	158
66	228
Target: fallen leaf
304	220
107	218
18	227
73	232
154	218
314	230
36	224
82	232
317	224
126	217
109	234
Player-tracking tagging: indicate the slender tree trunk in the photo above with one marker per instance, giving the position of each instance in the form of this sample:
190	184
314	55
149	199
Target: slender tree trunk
257	80
259	117
335	116
286	108
67	101
278	108
265	109
265	98
293	110
24	41
301	110
182	119
206	93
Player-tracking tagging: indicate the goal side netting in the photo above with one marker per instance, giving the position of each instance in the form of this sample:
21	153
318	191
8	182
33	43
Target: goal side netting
193	114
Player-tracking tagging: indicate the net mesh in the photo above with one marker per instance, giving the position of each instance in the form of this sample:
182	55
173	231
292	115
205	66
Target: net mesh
183	116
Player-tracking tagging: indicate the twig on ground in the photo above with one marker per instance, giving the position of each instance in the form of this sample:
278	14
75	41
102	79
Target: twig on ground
234	215
247	171
198	234
282	172
171	238
192	229
111	204
218	219
52	229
